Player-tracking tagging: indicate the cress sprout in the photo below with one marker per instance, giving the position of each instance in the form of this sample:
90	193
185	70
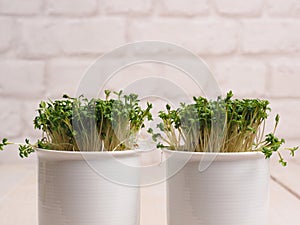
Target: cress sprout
80	124
222	125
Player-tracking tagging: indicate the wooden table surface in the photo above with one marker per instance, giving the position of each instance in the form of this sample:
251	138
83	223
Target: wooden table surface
18	195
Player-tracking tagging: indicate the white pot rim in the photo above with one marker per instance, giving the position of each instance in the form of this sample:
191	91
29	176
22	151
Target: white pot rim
73	155
219	156
122	152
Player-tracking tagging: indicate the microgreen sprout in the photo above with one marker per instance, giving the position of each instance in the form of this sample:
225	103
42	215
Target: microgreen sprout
222	125
24	149
3	143
79	124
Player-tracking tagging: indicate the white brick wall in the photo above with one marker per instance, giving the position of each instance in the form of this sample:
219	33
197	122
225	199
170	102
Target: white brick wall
284	8
6	33
238	7
289	112
17	7
253	48
186	8
71	7
22	79
37	38
203	37
270	36
62	72
11	123
246	78
285	80
90	36
137	7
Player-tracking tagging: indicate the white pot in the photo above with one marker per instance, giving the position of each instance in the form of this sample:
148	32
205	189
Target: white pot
233	190
88	188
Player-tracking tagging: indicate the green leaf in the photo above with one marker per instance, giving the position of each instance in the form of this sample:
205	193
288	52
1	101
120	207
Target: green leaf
282	162
168	107
26	149
277	118
267	151
150	130
293	150
160	145
4	141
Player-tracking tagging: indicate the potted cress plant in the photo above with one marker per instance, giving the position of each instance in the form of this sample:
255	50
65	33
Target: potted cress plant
227	137
85	158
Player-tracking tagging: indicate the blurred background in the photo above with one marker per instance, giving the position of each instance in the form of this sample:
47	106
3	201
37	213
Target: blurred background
252	47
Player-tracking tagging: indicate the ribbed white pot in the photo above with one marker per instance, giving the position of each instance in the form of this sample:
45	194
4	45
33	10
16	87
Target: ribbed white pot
233	190
88	188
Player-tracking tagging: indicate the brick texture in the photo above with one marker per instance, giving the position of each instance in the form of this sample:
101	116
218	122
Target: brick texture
71	7
271	37
10	118
90	36
246	78
38	38
253	48
184	8
289	124
6	33
64	72
201	37
17	7
22	79
126	7
241	8
285	79
285	8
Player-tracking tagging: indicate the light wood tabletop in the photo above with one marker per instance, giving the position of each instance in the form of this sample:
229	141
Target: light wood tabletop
18	195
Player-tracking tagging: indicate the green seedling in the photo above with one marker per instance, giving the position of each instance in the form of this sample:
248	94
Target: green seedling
222	125
79	124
